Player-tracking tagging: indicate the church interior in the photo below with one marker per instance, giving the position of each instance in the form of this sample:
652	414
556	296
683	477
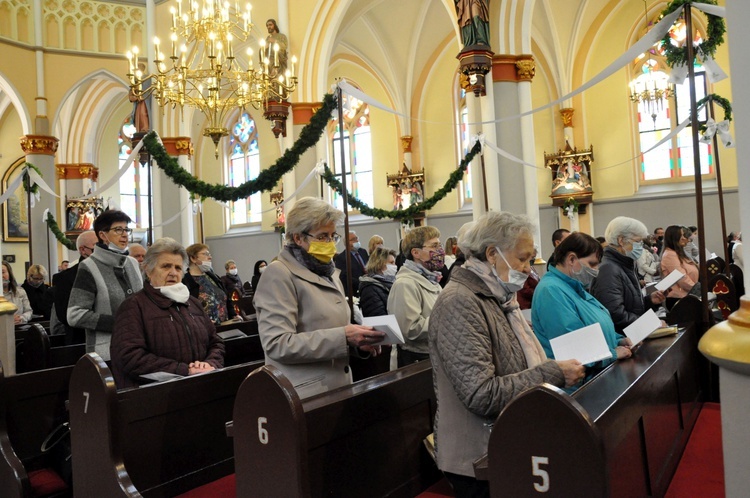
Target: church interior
76	98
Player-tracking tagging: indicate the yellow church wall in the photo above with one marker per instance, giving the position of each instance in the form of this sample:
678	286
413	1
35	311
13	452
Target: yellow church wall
437	142
17	66
548	130
10	131
384	129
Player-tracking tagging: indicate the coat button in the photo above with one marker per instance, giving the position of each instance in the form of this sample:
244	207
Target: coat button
346	369
130	291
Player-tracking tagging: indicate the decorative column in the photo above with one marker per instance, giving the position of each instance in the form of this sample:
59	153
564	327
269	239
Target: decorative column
728	343
406	150
526	70
7	337
566	114
184	230
40	151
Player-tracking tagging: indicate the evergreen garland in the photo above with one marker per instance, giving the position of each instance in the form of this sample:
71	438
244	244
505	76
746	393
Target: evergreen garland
570	202
412	211
266	180
55	229
35	187
677	56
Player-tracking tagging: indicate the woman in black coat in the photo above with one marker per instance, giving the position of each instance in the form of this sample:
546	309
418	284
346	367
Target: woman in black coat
373	301
259	267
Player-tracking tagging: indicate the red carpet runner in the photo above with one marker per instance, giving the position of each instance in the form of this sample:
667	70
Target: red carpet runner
701	469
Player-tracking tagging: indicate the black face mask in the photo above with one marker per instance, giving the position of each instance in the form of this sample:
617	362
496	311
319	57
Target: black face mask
660	238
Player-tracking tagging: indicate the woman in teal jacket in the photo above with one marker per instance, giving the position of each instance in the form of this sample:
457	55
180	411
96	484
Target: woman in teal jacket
561	302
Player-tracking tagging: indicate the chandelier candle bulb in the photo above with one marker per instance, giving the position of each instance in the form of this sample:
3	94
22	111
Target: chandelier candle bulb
179	8
174	46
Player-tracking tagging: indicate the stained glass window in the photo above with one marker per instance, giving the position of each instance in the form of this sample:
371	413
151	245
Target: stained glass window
134	183
243	164
357	144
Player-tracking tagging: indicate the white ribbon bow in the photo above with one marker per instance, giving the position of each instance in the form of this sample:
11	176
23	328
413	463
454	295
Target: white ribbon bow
571	212
722	128
713	71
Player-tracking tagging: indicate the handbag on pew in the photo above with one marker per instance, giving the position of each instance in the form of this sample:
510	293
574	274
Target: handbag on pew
58	448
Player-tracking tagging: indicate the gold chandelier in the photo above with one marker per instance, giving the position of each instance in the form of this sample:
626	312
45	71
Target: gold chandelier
203	72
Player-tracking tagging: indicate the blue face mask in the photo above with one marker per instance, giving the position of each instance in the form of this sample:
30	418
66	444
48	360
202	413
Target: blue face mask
585	275
636	252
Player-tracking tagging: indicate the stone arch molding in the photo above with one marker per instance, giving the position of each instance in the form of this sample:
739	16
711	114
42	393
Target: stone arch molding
8	90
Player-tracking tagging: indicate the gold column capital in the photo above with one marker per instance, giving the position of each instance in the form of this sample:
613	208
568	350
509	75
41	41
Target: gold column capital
526	67
39	144
567	116
406	143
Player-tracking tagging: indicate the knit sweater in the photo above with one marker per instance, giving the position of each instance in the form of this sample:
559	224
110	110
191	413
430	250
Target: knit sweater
103	282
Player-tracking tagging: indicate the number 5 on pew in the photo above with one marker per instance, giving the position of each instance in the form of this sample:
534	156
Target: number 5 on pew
262	432
536	471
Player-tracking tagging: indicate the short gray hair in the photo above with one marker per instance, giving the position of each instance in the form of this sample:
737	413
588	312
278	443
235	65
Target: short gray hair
80	240
229	263
309	213
625	227
493	229
164	245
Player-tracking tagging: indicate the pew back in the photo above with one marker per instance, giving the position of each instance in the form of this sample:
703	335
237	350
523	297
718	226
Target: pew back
157	440
31	405
362	440
621	434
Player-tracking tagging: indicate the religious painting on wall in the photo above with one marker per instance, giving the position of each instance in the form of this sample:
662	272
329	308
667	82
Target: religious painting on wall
571	175
80	214
15	209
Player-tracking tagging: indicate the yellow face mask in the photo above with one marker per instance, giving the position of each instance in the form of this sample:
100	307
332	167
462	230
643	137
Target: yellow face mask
322	251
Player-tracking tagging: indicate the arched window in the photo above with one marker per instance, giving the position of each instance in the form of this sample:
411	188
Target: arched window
673	160
464	144
357	150
134	183
243	164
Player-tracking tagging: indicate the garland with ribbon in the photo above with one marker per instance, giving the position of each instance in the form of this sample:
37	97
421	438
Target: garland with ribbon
265	181
59	235
678	56
412	211
34	188
721	101
570	202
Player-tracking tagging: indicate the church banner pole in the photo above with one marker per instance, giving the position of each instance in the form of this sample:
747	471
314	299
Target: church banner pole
344	196
696	163
27	183
721	194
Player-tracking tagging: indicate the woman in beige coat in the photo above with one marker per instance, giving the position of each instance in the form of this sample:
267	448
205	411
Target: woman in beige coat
303	317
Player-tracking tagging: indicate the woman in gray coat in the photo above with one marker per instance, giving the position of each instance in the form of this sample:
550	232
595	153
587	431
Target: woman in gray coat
483	351
303	317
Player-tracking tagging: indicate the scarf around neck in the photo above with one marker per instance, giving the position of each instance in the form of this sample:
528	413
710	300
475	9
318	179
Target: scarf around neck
532	349
432	276
309	262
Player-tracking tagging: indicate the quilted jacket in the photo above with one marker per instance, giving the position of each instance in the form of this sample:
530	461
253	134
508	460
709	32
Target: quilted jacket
478	367
618	289
373	295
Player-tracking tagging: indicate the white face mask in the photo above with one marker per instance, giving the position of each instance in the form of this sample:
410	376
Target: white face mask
585	275
516	279
115	248
205	266
261	269
390	270
177	292
233	271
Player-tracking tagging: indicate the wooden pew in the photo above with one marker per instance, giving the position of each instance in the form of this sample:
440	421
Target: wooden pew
622	434
156	440
245	349
35	350
363	440
31	406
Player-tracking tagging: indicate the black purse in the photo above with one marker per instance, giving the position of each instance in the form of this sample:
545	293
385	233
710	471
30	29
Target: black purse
56	446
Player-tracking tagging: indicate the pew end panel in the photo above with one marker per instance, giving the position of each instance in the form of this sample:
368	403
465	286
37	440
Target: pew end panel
270	437
92	405
524	445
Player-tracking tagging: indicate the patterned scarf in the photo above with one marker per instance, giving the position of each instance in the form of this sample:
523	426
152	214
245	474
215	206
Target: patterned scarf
532	350
432	276
309	262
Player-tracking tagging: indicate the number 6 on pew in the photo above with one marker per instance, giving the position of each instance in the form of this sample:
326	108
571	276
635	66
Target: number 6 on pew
536	461
262	432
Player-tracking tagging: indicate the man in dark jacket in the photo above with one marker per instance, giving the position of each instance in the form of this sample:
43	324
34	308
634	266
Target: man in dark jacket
40	294
62	284
359	260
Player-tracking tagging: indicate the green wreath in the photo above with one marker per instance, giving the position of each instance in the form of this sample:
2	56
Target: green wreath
55	229
570	201
678	56
266	180
412	211
721	101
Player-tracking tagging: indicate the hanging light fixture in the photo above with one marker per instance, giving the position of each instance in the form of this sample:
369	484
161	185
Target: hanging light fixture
203	72
652	87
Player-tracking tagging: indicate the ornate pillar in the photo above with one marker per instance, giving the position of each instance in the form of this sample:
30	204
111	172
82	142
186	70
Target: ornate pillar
526	69
567	118
40	151
183	229
477	178
406	149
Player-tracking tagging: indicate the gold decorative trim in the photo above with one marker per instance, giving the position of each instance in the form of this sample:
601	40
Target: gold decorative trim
526	68
178	146
76	171
728	343
406	142
39	144
567	116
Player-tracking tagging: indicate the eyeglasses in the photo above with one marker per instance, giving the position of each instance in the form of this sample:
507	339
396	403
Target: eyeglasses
121	230
433	246
91	249
205	253
323	237
37	278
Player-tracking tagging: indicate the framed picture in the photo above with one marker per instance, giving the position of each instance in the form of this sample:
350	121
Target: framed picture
15	210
